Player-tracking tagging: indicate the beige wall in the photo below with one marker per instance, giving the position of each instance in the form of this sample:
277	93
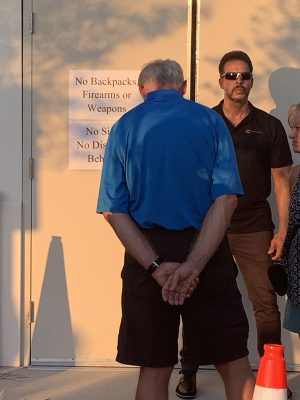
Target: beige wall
269	32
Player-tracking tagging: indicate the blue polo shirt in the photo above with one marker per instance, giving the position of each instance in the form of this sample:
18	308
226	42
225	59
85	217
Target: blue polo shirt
166	161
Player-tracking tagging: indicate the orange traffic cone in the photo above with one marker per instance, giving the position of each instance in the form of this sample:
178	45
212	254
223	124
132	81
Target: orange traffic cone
271	381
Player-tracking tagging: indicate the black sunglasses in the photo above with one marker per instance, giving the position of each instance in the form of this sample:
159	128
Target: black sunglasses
232	76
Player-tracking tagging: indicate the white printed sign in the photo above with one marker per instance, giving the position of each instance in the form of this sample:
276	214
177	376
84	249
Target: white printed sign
97	99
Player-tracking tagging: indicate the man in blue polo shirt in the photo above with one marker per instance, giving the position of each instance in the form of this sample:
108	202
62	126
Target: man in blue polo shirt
168	189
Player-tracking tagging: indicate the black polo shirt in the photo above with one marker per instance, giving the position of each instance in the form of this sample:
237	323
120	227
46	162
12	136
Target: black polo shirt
260	143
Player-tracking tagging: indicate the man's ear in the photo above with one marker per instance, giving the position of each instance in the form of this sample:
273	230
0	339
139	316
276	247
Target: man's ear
184	87
221	83
143	91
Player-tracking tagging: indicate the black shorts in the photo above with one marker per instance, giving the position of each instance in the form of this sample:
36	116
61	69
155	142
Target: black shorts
214	321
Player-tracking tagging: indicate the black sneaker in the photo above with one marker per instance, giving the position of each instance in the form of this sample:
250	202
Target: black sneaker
186	388
289	394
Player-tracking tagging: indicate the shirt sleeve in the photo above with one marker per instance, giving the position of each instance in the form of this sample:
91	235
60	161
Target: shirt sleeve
226	178
113	191
280	155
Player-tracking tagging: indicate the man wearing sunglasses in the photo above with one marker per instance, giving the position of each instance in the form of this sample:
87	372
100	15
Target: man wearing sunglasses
263	154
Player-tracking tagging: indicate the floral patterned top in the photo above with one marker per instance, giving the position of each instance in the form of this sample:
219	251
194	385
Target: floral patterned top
291	249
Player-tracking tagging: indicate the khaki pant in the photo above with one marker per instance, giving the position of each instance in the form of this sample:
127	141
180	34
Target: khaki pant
250	251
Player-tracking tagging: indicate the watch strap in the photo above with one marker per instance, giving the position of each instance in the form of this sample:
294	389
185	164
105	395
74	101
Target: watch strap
154	265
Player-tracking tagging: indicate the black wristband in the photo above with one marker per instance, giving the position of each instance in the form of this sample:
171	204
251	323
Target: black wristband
153	266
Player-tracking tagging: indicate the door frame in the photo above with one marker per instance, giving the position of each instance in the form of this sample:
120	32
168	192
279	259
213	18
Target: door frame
27	312
28	31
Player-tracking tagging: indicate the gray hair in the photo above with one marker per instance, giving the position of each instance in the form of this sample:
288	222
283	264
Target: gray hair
165	73
294	109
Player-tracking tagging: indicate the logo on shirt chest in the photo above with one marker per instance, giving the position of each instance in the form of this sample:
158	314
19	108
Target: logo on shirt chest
251	131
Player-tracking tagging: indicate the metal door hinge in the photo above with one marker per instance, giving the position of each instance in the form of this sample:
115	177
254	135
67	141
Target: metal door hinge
30	168
30	315
32	23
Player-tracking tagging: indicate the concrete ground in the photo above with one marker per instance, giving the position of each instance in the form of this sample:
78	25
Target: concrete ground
100	384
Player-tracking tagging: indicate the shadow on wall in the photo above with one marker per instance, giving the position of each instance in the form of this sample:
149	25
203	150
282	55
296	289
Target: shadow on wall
96	30
9	352
74	35
53	316
269	35
284	85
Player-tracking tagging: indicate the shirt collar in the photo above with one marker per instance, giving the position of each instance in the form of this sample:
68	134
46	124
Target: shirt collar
248	118
163	95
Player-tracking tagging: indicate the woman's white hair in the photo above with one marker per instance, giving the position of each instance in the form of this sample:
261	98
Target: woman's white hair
294	109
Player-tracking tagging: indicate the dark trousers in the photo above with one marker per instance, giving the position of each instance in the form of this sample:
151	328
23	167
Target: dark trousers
250	251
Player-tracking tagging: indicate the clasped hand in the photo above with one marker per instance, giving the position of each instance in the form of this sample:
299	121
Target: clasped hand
178	281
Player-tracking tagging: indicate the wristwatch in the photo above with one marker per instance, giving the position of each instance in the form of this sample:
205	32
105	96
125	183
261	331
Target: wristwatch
154	265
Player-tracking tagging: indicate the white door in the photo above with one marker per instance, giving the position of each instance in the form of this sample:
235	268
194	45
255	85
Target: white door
76	258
